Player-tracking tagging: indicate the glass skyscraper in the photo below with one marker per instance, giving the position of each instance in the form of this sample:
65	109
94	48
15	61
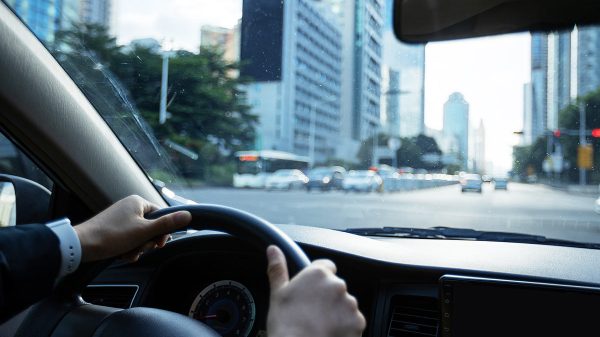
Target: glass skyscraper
46	17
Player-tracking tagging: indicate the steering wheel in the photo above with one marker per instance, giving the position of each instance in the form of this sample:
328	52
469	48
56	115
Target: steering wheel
64	313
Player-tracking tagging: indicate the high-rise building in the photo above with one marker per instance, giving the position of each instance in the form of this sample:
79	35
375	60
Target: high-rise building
225	39
391	102
539	84
362	43
456	127
559	75
95	12
527	137
588	59
296	74
409	61
46	17
479	162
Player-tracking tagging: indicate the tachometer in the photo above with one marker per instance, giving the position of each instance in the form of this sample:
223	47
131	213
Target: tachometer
227	307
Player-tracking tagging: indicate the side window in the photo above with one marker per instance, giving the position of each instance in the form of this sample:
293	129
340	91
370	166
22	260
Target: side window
14	162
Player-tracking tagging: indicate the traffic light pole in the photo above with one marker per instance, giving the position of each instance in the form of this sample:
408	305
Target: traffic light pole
582	141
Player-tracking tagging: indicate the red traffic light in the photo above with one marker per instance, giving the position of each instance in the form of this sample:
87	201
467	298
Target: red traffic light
556	133
596	133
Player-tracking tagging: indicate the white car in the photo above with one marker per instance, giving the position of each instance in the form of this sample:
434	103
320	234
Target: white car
362	180
286	180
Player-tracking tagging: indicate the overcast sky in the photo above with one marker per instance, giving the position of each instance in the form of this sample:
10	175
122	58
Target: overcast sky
489	72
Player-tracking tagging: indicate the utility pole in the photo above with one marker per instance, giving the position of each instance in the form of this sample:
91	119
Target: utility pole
582	141
162	114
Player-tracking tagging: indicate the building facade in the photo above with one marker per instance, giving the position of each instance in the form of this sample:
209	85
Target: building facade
95	12
539	85
527	136
292	53
559	75
588	59
46	17
479	161
227	40
456	127
362	23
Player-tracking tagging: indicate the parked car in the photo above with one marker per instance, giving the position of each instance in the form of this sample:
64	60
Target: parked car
471	182
363	181
286	180
501	183
325	178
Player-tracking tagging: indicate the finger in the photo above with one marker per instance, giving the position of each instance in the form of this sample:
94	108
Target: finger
169	223
327	264
277	270
148	207
162	240
132	256
148	246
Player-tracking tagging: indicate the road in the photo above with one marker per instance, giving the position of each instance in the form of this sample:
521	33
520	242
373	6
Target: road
533	209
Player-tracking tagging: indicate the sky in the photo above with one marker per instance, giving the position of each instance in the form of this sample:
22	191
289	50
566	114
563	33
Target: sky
489	72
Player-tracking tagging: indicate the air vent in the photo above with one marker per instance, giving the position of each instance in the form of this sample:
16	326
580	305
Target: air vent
412	316
117	296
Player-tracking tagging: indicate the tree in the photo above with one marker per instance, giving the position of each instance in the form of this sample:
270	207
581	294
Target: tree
409	154
208	113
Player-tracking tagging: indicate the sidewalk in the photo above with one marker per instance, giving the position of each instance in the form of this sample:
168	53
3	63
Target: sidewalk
572	188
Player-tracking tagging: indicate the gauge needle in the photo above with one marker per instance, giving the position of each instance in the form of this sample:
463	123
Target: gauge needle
209	316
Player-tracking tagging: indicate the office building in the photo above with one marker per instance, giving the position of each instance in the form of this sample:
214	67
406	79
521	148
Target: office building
479	162
527	136
227	40
456	127
539	85
559	75
588	59
391	102
46	17
295	70
361	24
409	61
95	12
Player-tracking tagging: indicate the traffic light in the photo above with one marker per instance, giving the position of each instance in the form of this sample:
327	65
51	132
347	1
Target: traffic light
556	133
596	133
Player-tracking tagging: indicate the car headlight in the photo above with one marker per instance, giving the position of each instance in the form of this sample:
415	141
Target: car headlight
326	180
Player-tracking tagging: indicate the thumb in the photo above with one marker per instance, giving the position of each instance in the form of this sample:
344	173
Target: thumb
169	223
277	268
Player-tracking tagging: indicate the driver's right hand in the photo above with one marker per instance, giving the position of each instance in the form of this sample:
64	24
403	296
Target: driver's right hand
314	303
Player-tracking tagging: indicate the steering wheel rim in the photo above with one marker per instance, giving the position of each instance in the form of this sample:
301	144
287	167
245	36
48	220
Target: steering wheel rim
257	231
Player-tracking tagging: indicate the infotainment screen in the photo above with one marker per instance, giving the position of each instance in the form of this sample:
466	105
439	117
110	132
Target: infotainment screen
476	307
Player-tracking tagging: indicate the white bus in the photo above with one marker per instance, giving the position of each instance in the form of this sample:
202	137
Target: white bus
253	167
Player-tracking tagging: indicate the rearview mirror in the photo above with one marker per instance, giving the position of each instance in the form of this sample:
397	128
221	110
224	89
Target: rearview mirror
421	21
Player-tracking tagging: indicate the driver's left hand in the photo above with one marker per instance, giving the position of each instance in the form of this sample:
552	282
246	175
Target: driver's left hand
121	230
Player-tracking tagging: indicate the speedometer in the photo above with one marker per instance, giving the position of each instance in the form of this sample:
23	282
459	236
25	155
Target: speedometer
227	307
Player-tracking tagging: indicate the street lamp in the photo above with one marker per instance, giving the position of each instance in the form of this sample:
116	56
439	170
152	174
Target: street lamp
166	53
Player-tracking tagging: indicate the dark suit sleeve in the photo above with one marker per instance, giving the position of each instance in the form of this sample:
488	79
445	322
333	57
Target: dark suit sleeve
29	264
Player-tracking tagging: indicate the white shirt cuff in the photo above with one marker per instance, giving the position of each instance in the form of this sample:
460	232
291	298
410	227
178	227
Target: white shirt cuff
70	247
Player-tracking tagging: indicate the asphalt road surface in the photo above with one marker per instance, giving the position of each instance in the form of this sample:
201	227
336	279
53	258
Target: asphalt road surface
532	209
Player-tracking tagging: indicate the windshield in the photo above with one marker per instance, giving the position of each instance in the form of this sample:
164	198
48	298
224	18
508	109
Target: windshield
303	84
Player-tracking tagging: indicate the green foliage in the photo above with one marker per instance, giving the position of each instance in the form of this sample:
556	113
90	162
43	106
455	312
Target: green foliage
409	154
529	156
208	114
533	156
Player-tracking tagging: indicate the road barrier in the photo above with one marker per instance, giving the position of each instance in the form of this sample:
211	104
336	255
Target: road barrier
404	183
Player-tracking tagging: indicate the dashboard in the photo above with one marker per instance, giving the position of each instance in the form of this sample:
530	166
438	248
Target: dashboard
405	287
